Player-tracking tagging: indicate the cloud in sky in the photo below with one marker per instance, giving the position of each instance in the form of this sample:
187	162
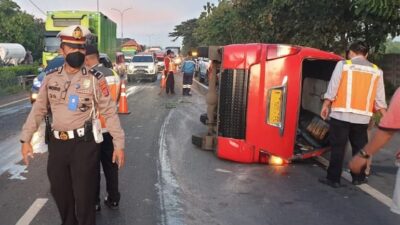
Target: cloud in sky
149	21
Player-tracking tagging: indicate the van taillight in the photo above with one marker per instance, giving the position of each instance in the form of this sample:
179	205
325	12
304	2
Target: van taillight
279	51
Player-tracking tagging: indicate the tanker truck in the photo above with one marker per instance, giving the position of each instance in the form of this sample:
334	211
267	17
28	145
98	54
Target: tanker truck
11	53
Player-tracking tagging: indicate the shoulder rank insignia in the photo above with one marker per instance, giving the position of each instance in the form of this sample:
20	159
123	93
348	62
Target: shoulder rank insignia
96	73
53	70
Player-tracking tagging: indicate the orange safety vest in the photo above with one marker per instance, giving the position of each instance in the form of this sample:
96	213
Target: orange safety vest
169	65
357	89
114	85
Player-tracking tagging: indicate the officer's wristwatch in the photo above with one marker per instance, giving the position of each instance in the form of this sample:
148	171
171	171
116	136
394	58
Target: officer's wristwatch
363	154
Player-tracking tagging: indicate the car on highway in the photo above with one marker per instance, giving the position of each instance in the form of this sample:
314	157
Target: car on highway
143	66
53	65
160	60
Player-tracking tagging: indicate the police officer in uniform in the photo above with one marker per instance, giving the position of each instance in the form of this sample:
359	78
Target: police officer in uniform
107	148
71	93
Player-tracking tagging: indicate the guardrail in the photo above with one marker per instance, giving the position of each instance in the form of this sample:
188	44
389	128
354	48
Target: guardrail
26	80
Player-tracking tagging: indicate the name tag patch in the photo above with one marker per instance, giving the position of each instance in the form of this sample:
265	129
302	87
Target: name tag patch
73	102
53	88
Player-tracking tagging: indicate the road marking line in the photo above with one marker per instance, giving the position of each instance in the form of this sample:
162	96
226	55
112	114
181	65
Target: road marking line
27	218
167	183
364	187
204	86
223	171
10	103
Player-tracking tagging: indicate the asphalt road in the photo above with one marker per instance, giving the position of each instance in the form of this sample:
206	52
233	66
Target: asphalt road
169	181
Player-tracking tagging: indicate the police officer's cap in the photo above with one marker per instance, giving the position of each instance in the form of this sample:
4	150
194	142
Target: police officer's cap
74	36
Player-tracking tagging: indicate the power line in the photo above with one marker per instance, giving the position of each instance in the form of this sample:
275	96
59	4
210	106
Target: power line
37	7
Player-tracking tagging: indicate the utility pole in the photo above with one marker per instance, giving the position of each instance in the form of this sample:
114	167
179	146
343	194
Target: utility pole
121	12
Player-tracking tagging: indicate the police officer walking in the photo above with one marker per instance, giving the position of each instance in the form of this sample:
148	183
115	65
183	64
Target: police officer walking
74	94
106	147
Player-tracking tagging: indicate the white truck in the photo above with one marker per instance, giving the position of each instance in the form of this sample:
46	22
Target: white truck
12	53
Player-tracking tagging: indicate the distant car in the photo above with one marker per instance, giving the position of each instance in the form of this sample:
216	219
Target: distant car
203	67
160	60
53	65
143	66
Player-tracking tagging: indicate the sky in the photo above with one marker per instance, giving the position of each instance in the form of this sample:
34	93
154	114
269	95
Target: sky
148	21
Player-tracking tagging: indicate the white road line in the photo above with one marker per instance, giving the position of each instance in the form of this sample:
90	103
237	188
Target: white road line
223	171
27	218
364	187
167	184
10	103
204	86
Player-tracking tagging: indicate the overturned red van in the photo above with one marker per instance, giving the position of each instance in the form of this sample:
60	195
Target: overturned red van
269	98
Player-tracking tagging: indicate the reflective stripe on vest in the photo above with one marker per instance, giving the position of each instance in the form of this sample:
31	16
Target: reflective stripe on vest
171	65
357	89
113	83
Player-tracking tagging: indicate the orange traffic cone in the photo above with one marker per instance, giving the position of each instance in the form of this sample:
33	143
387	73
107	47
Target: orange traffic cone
123	102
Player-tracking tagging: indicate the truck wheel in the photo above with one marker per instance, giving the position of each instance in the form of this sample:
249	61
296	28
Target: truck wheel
154	78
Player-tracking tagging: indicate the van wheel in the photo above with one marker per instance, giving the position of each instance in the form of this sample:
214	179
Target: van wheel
154	78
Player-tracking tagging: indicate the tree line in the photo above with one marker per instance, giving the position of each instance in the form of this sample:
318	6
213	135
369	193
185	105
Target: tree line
324	24
17	26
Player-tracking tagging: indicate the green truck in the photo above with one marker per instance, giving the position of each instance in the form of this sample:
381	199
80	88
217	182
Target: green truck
104	31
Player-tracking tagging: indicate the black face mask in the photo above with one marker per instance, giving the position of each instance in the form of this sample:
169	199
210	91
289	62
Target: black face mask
75	59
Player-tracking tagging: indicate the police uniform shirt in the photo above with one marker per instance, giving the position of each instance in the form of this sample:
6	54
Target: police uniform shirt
71	101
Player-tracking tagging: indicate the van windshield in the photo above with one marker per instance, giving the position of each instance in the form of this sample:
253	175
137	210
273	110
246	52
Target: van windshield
142	59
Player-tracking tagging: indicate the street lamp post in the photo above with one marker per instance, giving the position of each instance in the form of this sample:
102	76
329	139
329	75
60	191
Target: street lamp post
122	19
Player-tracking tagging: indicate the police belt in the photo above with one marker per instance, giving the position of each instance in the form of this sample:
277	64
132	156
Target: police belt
70	134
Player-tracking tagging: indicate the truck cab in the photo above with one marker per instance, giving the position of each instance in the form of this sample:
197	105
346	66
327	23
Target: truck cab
268	102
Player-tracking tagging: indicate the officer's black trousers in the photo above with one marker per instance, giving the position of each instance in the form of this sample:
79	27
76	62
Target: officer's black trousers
110	169
339	133
170	83
72	169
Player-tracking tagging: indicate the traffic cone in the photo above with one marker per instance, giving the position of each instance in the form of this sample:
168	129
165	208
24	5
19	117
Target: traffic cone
123	102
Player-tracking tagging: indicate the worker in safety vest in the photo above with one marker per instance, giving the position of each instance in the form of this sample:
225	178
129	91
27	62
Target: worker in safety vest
107	148
355	91
187	70
169	72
